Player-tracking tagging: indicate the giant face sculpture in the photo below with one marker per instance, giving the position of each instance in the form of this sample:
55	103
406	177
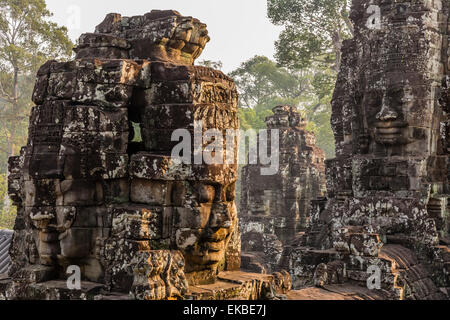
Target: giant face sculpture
201	196
210	227
387	118
396	86
96	197
198	209
388	127
199	216
400	119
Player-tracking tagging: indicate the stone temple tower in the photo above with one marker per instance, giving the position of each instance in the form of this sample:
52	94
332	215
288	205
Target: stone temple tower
274	208
387	213
96	196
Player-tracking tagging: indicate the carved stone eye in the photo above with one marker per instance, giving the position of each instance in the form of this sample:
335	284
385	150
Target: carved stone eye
395	96
401	9
372	102
206	193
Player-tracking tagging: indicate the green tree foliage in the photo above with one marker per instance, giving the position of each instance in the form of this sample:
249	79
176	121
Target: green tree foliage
313	31
260	80
318	110
263	85
7	211
218	65
312	39
27	40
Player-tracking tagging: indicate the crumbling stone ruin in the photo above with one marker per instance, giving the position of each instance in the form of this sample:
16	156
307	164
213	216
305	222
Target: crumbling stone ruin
274	208
386	219
92	195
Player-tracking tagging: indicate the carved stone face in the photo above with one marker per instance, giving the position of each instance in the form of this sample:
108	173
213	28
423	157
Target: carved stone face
285	116
204	248
399	119
191	37
98	199
385	117
205	224
199	217
389	127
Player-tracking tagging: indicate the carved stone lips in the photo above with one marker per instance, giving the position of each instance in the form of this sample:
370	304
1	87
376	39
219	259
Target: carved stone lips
389	132
390	128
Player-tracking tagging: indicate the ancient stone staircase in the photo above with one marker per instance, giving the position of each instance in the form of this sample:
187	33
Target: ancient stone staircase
410	276
346	268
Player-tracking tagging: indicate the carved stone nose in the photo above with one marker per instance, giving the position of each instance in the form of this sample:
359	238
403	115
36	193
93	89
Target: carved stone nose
221	220
387	114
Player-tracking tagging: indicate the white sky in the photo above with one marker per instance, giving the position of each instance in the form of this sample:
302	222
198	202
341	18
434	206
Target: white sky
239	29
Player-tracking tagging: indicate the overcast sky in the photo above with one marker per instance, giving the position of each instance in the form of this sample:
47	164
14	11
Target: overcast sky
239	29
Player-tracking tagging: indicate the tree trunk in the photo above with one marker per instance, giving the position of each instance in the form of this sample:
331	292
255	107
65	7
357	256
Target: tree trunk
12	153
15	108
337	44
16	86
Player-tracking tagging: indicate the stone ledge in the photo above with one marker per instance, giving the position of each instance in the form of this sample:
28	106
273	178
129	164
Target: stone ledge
336	292
52	290
235	286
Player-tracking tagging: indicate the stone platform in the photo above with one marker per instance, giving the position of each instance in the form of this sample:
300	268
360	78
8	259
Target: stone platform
240	286
336	292
229	286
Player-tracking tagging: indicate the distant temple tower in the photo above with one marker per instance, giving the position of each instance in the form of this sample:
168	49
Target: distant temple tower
275	208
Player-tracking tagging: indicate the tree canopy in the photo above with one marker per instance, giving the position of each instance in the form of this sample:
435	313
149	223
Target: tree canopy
313	31
27	39
312	40
260	80
218	65
263	85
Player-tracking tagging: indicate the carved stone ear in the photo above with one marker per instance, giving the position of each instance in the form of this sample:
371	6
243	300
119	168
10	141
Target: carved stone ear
364	143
